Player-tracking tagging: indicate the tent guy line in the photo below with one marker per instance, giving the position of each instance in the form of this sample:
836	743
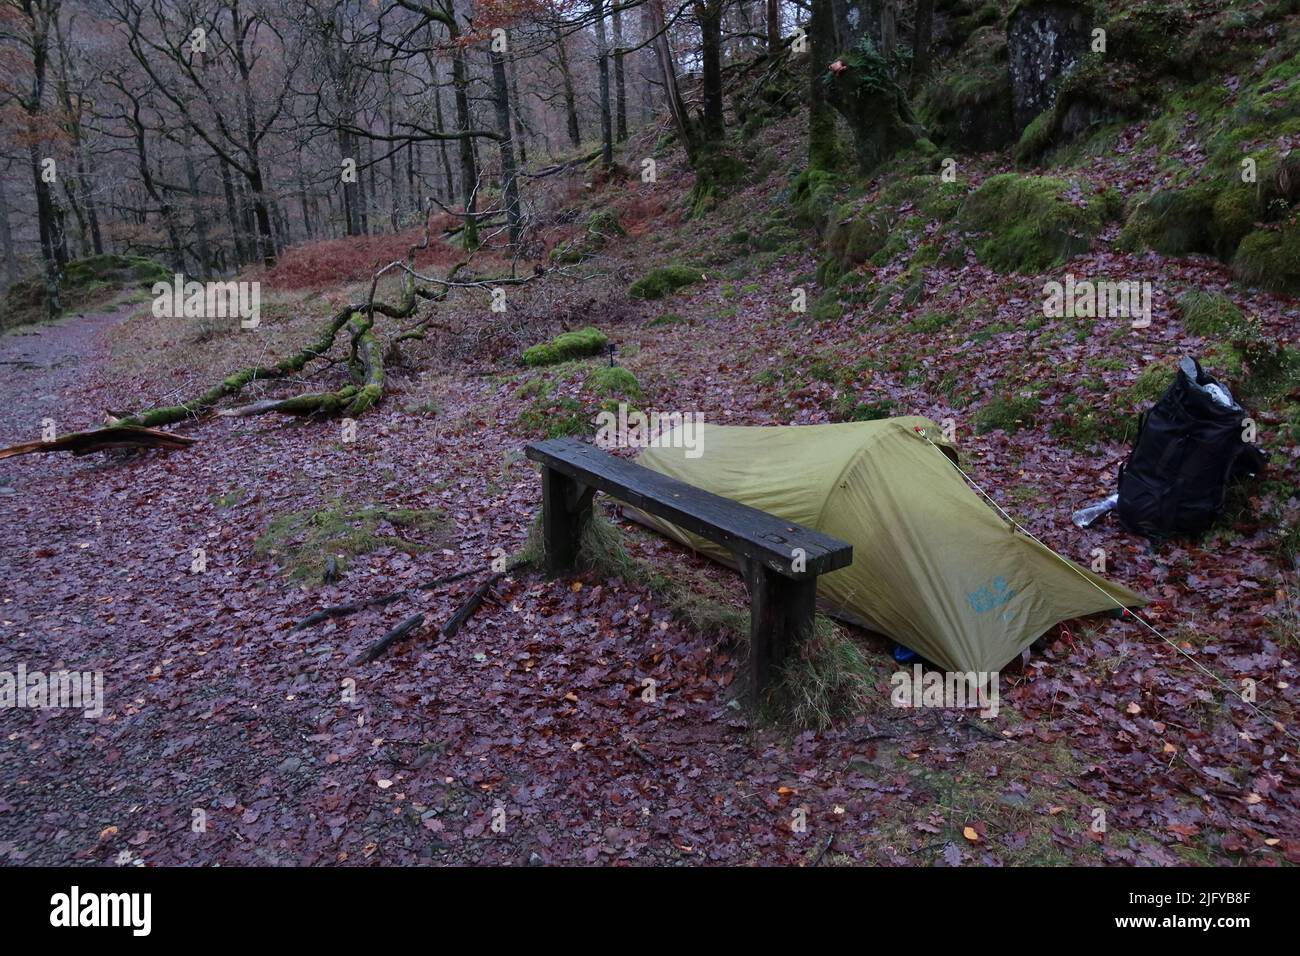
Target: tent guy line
1277	724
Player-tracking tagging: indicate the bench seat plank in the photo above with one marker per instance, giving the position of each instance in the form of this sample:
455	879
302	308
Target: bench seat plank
745	531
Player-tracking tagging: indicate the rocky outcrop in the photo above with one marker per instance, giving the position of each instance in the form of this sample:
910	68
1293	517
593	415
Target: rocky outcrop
1045	40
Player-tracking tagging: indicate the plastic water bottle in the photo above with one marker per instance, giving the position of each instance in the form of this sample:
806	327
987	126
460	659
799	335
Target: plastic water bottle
1086	517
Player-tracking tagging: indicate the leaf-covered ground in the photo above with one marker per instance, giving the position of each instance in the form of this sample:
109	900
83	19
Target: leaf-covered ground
532	717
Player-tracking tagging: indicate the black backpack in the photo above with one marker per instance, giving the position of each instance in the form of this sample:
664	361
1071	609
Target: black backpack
1188	449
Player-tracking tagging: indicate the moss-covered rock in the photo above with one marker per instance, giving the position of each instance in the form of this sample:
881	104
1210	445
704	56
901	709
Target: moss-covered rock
1270	259
1032	222
1233	215
882	230
1173	222
556	417
1095	92
854	237
567	345
123	270
658	283
812	197
613	381
967	106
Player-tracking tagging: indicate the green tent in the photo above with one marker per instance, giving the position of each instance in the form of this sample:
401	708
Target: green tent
934	567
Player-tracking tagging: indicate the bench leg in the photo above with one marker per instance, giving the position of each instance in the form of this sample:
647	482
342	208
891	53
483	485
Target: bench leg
566	507
781	613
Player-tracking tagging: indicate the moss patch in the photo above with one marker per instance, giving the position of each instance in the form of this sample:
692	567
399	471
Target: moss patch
658	283
1007	413
1207	313
567	345
302	541
812	196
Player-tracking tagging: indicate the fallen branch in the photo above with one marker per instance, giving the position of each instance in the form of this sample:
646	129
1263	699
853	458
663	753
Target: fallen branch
560	167
467	609
340	610
399	633
114	436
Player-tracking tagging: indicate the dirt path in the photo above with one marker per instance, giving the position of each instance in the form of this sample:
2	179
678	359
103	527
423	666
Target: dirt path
44	370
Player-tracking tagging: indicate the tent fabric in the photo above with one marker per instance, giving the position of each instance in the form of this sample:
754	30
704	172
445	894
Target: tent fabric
934	567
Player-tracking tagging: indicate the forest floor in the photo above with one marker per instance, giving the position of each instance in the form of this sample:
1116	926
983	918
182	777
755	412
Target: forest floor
229	737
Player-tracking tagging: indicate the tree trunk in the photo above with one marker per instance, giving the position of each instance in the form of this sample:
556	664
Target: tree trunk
366	183
709	15
6	237
442	143
196	210
921	43
468	165
82	236
304	207
602	54
570	99
351	185
517	107
620	83
150	187
256	182
82	198
773	25
668	75
888	28
394	198
509	183
232	213
823	146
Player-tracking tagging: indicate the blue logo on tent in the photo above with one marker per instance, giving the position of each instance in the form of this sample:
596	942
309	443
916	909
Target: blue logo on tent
992	595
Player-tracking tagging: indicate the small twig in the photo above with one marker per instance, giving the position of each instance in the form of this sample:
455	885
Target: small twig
636	749
829	840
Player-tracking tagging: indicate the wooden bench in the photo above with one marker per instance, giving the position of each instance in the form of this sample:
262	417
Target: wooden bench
781	560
